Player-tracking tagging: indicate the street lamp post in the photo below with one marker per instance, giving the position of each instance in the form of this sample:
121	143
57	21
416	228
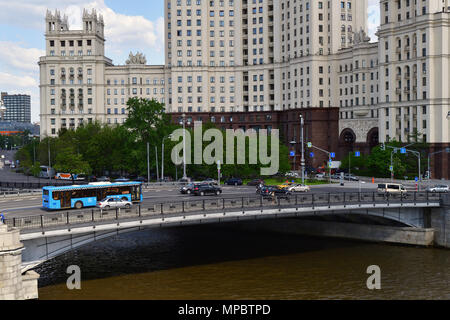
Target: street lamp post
49	162
302	124
148	162
183	122
157	169
162	156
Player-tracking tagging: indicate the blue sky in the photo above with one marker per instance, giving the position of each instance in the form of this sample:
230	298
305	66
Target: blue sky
134	25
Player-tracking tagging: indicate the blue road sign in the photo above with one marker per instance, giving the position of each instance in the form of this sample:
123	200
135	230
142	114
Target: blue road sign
311	154
417	179
403	150
292	153
357	154
333	155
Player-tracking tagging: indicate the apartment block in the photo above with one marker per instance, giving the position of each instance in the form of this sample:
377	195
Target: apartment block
18	107
279	58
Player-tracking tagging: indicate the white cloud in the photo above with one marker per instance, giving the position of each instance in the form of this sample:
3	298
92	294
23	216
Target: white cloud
123	32
10	80
374	18
20	58
18	64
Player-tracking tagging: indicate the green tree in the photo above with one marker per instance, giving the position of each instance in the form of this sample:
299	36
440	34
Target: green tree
69	161
146	118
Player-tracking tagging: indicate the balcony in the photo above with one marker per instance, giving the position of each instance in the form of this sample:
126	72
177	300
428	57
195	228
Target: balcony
398	77
407	76
398	91
398	50
407	48
415	89
407	90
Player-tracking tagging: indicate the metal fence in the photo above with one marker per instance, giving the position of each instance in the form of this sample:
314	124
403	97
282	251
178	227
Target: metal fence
37	185
184	208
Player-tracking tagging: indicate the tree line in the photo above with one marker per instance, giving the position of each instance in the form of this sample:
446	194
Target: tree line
96	149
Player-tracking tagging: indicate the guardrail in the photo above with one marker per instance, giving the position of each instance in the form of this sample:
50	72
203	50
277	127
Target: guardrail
183	208
19	193
37	185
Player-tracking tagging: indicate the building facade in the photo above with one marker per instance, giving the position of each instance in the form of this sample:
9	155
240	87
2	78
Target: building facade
228	57
79	84
18	107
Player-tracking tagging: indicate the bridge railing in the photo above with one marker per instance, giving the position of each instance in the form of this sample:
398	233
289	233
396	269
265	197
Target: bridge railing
197	205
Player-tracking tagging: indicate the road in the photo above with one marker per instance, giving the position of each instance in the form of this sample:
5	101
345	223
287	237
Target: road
32	205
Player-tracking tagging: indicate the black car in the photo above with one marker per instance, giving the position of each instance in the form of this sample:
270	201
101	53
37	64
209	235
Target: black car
233	182
256	182
272	191
187	189
203	189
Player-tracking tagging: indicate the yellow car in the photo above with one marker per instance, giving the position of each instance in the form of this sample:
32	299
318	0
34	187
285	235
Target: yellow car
285	186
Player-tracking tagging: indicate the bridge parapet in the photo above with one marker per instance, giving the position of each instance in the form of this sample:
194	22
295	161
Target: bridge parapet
304	202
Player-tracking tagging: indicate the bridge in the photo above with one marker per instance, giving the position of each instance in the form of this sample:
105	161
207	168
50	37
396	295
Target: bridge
26	242
49	235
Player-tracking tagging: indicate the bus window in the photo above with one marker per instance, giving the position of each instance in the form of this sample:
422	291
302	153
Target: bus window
45	192
56	195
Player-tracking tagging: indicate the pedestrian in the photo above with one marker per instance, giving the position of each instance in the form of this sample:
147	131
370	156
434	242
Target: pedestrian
2	218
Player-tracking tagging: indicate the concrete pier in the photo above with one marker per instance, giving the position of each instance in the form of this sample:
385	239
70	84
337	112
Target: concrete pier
440	222
14	285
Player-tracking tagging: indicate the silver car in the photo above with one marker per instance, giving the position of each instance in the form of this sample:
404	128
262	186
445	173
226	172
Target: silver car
439	189
299	188
114	203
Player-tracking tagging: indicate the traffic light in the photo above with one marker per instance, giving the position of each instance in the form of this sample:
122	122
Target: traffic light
309	144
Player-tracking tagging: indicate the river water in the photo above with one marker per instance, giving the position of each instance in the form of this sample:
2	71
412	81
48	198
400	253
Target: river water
231	261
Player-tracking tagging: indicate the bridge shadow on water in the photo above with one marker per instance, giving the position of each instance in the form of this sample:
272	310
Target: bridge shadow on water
169	248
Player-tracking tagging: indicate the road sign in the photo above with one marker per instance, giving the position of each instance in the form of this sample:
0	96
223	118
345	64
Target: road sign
309	144
311	155
333	155
403	150
417	179
357	154
391	168
292	153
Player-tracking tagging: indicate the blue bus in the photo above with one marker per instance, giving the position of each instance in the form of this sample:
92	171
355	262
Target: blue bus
56	198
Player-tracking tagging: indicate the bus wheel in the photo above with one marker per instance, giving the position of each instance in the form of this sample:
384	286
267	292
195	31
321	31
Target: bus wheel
78	205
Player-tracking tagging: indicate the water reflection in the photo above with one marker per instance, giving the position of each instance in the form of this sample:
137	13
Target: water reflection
235	262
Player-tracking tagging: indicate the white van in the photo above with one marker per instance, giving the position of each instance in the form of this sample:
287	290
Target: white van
46	172
391	188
